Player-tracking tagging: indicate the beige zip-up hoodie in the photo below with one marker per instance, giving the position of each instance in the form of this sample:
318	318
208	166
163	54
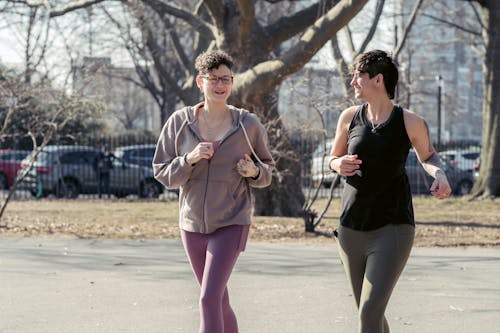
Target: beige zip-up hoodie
212	192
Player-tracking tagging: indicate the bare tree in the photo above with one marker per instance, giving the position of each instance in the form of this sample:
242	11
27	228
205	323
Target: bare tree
149	40
488	182
43	113
30	26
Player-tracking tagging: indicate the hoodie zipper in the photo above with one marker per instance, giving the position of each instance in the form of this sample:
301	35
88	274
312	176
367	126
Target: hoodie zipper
205	223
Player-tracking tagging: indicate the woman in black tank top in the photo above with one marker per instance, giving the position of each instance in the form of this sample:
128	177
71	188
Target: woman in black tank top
370	148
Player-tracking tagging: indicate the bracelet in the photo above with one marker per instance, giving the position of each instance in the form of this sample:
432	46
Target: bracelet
330	163
186	160
258	174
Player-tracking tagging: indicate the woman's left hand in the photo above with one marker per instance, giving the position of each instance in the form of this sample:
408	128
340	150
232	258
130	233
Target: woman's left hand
247	168
440	188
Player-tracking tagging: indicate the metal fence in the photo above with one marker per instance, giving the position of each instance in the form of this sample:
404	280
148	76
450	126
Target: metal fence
121	167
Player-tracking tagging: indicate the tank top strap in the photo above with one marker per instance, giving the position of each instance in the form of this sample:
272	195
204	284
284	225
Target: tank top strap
357	119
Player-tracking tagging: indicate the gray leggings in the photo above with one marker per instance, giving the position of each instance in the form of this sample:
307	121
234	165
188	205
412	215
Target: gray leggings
373	262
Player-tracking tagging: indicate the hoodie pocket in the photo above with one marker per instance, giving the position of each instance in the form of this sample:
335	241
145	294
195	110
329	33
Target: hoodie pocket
220	202
192	200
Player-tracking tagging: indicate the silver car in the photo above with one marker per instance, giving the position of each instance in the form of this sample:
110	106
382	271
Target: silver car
68	171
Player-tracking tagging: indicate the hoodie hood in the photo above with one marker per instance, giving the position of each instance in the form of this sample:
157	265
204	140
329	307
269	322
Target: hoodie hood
238	114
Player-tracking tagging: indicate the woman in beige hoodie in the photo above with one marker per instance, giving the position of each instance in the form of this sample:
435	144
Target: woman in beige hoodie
214	152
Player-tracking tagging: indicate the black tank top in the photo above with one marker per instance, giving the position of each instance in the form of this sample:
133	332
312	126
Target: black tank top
381	194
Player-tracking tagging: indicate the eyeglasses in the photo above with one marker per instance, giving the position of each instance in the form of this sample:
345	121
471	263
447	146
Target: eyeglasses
225	80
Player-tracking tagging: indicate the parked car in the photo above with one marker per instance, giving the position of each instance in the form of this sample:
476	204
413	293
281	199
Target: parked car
10	163
139	155
136	154
320	171
461	181
476	167
68	171
464	159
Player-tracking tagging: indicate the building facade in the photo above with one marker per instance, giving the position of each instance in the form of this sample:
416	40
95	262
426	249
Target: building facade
129	107
441	69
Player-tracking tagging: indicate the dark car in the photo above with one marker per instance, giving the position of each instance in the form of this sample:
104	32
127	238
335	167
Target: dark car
10	163
139	155
136	154
461	181
68	171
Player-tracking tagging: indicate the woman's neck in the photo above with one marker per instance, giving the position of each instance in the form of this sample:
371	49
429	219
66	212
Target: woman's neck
215	110
378	111
215	121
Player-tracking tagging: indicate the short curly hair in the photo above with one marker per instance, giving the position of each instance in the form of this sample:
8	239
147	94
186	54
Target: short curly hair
378	62
209	60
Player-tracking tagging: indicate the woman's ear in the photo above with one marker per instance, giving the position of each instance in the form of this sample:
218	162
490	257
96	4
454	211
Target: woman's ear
199	82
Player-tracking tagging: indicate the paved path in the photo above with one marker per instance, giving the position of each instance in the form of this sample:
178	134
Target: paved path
68	285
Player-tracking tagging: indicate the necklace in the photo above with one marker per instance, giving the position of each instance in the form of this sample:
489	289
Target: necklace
374	127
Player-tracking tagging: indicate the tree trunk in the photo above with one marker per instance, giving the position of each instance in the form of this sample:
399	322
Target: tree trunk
488	182
284	196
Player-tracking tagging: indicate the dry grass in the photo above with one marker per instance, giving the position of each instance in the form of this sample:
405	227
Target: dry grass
454	222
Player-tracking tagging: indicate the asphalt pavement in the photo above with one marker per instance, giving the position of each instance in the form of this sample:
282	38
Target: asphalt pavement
82	285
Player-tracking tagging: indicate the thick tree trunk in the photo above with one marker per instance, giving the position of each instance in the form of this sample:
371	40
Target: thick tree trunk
488	183
284	197
167	107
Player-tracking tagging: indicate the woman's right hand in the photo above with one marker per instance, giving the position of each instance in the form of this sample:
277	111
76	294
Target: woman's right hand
347	165
204	150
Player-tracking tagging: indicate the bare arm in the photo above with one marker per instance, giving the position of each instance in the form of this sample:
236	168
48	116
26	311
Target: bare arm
340	162
418	132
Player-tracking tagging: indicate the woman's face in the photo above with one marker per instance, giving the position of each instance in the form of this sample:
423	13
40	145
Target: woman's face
363	86
217	84
358	82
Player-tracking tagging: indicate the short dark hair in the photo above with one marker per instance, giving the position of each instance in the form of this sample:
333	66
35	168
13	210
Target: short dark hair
378	62
210	60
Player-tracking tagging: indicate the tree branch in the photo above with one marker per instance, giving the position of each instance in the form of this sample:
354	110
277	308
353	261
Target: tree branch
408	27
247	15
378	12
201	42
478	16
202	27
215	9
272	72
60	10
455	25
342	67
164	74
350	40
179	50
287	27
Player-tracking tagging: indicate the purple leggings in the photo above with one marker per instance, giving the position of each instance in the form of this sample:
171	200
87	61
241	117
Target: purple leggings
212	257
